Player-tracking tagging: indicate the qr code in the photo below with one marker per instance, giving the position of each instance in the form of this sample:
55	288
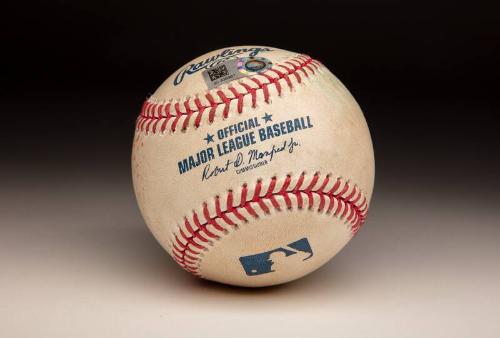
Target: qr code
218	72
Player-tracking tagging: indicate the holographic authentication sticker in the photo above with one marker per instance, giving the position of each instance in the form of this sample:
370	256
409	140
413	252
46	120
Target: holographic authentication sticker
252	65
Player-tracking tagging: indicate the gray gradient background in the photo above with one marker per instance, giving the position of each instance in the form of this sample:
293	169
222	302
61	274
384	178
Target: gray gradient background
76	259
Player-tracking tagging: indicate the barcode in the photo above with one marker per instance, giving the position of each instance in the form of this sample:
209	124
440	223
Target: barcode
217	72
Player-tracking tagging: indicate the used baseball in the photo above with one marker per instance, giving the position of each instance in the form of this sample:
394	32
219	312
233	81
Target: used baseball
252	166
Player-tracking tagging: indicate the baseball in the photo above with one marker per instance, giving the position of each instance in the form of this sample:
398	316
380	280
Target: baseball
252	166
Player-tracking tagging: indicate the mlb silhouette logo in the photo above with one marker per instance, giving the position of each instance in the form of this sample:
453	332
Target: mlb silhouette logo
265	262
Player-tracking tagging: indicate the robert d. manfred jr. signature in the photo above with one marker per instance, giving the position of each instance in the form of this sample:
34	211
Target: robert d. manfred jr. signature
254	157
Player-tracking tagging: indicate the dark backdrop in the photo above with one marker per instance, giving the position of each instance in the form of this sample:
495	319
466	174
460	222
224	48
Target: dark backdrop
75	74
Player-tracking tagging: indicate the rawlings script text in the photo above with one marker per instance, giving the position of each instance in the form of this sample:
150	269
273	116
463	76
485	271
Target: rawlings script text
213	60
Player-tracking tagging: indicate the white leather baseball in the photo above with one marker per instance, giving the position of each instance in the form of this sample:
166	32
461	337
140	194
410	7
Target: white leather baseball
252	166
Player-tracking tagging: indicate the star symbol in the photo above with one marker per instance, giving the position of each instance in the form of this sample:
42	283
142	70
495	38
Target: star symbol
209	138
267	117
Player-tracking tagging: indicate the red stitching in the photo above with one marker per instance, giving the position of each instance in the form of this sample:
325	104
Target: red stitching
342	200
252	92
226	102
238	96
167	116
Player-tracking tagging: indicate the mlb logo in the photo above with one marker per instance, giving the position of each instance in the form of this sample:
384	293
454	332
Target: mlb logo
266	262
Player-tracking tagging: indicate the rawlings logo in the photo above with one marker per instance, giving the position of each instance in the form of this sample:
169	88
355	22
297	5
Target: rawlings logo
216	59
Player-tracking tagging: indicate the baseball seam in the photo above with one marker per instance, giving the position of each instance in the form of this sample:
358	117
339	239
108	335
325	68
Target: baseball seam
167	115
199	230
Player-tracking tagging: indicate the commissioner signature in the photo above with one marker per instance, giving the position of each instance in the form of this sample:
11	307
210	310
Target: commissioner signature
254	158
258	155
